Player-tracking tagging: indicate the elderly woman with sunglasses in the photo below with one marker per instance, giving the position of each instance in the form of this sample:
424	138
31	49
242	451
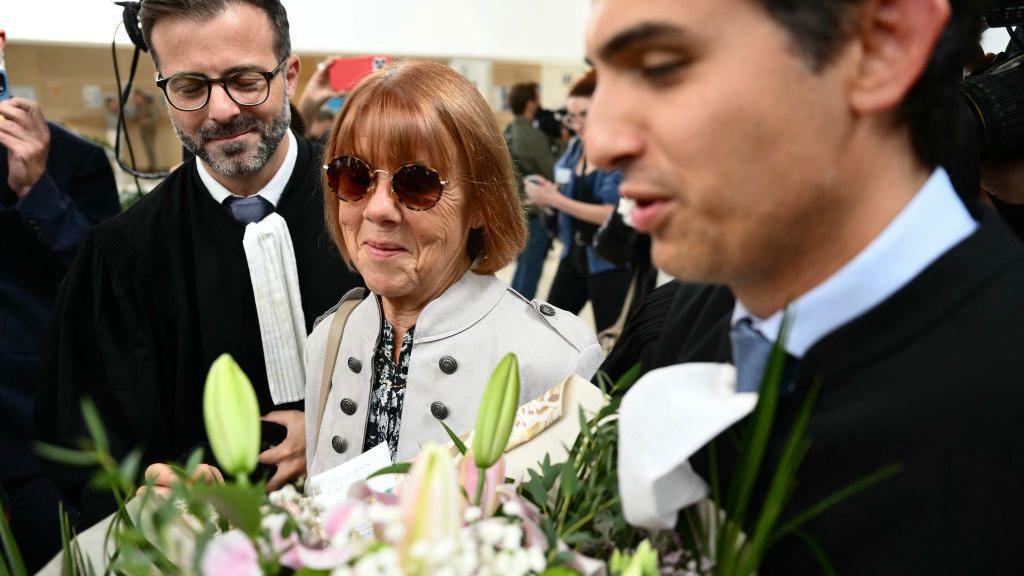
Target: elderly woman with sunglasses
420	199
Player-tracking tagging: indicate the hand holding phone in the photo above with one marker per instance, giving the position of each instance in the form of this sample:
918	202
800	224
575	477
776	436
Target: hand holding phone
5	88
345	73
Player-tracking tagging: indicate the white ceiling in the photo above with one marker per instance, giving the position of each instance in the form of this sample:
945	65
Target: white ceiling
524	30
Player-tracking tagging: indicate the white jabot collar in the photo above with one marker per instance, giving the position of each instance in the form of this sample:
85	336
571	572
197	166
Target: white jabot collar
271	192
933	222
270	256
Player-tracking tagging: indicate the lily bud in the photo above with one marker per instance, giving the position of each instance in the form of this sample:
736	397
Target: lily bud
497	413
430	501
232	416
643	562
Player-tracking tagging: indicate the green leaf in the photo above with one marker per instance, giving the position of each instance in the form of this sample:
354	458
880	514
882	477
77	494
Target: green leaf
817	551
10	547
559	571
239	504
193	462
585	431
534	490
570	483
837	497
399	468
578	538
752	453
65	455
628	379
604	382
455	438
95	425
782	483
129	468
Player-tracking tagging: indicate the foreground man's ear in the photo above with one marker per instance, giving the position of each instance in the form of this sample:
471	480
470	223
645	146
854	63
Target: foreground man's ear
291	74
895	39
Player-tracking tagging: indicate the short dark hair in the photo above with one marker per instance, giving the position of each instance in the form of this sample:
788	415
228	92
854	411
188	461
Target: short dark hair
585	86
820	28
520	95
152	11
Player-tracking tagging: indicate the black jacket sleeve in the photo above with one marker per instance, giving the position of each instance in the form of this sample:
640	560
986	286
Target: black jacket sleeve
100	347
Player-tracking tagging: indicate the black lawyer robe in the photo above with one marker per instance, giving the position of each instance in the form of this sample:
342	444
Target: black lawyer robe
931	380
153	298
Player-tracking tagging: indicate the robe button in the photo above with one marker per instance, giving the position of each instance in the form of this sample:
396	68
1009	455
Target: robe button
354	364
547	309
439	410
339	444
448	365
348	406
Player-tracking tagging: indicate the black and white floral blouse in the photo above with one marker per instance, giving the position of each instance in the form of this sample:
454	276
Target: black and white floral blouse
384	420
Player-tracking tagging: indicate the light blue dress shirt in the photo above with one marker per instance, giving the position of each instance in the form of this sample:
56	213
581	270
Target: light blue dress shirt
932	223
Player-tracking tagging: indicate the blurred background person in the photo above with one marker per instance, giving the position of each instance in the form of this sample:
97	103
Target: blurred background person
585	198
319	126
145	116
532	155
53	187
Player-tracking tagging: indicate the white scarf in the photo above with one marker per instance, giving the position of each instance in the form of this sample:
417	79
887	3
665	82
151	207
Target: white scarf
275	286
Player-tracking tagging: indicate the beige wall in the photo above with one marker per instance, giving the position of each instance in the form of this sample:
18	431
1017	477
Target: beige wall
59	73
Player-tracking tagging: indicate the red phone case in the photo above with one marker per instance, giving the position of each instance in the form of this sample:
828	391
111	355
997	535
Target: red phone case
345	73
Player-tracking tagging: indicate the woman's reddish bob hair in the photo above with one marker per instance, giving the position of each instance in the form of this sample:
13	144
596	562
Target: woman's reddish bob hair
413	107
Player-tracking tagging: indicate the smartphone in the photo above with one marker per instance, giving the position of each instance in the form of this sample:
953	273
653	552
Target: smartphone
5	88
345	73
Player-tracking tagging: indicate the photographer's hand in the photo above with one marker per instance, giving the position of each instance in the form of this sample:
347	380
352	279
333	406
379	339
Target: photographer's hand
317	91
540	191
25	134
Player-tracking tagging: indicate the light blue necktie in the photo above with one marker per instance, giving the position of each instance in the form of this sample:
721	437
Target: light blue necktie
248	210
750	352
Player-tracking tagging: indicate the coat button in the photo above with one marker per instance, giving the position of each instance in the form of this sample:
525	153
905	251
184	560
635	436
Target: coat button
547	309
354	364
339	444
348	406
448	365
439	410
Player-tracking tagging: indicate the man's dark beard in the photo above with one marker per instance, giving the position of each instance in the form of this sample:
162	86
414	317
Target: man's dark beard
235	161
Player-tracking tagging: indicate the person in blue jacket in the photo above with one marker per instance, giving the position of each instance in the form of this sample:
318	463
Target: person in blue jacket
53	187
585	197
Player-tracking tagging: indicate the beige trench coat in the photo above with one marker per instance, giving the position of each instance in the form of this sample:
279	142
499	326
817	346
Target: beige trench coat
459	338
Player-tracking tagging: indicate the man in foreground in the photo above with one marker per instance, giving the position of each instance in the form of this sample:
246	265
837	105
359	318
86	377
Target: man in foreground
785	153
159	293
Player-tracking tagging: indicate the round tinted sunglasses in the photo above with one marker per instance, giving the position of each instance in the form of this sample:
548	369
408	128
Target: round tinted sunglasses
417	187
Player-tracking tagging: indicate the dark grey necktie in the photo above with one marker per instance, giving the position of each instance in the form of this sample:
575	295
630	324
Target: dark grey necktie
248	210
750	352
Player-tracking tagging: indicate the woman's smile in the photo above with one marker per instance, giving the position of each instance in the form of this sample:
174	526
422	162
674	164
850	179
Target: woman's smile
383	249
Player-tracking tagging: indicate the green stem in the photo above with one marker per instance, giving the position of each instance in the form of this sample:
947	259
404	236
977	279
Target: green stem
480	479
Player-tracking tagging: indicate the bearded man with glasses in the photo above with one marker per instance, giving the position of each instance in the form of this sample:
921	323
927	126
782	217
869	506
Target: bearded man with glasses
195	268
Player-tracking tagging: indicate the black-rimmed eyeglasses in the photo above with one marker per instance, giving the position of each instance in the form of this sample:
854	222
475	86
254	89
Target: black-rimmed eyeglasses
190	92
